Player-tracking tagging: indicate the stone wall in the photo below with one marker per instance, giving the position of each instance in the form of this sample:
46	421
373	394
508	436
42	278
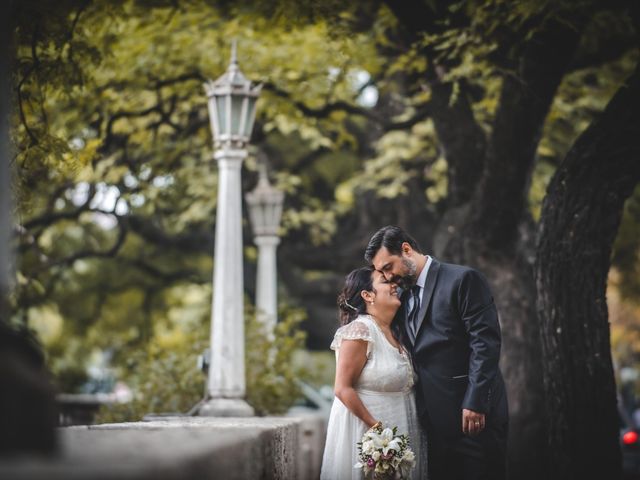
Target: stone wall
181	448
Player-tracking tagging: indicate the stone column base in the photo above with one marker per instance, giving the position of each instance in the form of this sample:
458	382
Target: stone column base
226	407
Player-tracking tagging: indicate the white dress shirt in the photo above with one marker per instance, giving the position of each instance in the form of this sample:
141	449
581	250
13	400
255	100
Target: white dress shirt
422	278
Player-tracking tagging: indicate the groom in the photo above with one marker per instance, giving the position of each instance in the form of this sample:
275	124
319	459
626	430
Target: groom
449	323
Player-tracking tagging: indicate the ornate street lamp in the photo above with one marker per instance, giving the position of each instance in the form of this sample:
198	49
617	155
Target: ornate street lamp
231	100
232	106
265	211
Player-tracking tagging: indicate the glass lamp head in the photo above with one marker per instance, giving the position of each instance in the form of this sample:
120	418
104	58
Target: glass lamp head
232	106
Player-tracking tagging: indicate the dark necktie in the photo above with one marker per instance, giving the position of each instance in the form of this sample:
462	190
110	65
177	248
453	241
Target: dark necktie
414	292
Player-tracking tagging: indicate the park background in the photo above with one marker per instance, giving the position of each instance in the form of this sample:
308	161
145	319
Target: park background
502	134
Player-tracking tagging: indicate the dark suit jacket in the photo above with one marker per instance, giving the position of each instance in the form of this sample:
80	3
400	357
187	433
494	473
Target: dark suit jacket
456	351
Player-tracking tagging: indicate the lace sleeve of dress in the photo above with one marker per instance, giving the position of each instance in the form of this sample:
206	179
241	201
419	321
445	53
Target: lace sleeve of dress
356	330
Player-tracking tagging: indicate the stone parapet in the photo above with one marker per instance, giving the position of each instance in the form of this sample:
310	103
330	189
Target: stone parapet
179	448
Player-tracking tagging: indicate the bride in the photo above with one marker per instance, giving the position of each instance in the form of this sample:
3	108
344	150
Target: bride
374	376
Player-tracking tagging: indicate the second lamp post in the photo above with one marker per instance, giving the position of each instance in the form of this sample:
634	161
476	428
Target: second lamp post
265	210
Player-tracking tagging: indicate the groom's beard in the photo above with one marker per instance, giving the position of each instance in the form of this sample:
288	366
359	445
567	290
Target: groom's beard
409	279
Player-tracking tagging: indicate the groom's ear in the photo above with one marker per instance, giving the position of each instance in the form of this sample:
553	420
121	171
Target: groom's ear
406	248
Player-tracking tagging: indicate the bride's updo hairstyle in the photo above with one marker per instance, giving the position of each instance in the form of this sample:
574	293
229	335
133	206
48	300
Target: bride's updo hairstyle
350	302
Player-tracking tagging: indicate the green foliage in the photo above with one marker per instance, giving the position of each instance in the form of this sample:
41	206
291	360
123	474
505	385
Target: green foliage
319	366
114	166
581	95
271	372
116	188
399	156
167	380
626	253
625	330
163	381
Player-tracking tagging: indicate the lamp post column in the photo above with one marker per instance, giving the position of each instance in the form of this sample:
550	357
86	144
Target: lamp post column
231	100
267	281
226	384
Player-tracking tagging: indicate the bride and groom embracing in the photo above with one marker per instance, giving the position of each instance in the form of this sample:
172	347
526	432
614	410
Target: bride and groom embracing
418	349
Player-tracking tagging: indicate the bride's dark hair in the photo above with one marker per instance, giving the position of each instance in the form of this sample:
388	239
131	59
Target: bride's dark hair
350	302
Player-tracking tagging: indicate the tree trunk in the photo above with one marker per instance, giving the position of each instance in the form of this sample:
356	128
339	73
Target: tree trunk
525	99
580	219
513	288
5	183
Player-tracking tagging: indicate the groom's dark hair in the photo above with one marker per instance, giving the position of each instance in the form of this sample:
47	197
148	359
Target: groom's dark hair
392	238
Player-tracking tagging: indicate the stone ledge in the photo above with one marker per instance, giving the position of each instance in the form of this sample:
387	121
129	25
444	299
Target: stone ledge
171	448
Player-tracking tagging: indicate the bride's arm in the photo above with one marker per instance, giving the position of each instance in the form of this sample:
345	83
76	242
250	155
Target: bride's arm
351	360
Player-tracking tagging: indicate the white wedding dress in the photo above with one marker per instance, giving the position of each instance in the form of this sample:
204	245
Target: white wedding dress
385	387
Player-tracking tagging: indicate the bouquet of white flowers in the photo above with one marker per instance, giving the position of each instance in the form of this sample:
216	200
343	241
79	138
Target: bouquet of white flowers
384	454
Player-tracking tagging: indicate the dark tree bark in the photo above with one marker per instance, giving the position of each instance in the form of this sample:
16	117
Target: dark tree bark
5	182
27	404
465	158
524	103
28	413
580	219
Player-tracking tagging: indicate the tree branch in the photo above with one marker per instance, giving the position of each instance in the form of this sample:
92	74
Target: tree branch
88	253
462	139
460	135
325	110
50	217
185	77
192	276
200	241
425	111
128	114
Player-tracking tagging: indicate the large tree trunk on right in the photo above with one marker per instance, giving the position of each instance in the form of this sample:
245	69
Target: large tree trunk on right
580	220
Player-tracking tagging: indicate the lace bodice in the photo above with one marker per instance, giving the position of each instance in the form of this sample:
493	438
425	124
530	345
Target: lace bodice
387	369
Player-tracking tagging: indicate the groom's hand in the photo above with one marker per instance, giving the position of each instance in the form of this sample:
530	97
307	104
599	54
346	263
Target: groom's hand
472	422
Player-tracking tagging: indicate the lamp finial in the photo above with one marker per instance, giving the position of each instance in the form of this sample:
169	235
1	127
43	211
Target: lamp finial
234	52
263	177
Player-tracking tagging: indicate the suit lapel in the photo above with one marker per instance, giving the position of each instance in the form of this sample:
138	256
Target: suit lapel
429	286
